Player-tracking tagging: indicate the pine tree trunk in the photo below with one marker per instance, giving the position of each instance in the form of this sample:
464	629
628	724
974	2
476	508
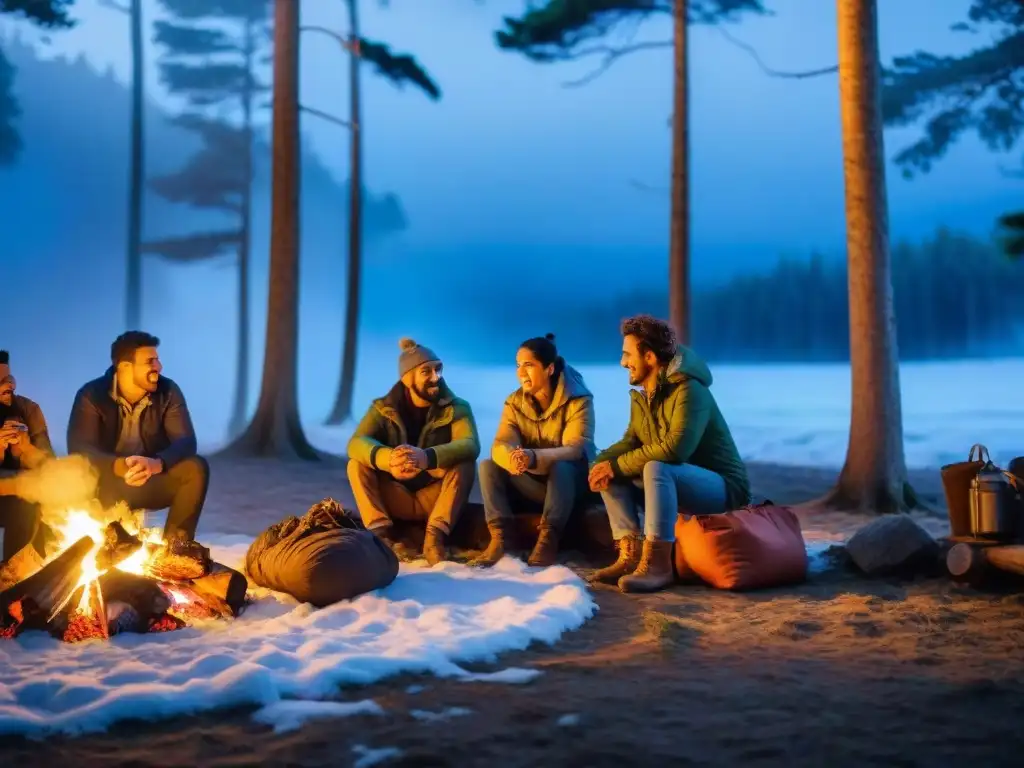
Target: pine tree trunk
133	287
342	409
679	227
241	404
874	477
275	429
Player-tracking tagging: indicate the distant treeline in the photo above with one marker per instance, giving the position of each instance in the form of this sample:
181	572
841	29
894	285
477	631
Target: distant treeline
955	297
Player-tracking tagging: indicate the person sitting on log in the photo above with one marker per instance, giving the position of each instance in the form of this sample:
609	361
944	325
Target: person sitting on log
24	444
539	459
134	426
677	453
413	456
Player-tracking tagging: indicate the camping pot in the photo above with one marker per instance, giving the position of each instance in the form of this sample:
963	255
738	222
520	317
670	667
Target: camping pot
995	513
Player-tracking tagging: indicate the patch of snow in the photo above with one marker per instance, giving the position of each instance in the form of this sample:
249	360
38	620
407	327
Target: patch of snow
426	622
567	721
291	715
366	757
445	714
510	676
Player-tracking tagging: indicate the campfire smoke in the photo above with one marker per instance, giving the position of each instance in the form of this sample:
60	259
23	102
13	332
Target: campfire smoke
63	483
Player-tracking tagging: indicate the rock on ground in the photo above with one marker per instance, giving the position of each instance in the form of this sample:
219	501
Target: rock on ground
892	544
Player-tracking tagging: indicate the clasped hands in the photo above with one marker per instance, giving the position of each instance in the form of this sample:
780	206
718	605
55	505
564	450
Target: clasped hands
407	461
600	476
13	434
137	470
520	460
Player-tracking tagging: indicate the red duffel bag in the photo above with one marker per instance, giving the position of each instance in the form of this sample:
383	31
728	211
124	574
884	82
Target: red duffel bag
752	548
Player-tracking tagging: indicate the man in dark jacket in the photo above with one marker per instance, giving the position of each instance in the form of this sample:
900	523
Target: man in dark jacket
413	456
24	444
134	425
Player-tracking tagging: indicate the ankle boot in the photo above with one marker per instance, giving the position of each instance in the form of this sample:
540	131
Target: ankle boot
435	546
654	572
545	551
495	549
629	558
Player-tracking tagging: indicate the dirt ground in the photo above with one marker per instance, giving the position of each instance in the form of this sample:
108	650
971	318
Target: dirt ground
840	671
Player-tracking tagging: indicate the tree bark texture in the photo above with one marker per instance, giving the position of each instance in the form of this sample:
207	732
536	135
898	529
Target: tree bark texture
679	226
136	180
874	476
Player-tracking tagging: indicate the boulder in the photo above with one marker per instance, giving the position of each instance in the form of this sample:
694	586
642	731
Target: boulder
891	545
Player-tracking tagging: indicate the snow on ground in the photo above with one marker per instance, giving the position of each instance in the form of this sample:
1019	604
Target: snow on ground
428	621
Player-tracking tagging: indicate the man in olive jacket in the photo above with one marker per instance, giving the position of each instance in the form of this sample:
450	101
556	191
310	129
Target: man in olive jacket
677	449
413	456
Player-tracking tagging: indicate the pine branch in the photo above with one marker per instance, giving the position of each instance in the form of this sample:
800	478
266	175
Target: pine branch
325	116
771	72
195	248
398	68
51	14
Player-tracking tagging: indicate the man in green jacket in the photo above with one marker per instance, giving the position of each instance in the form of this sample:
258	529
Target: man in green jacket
677	453
413	456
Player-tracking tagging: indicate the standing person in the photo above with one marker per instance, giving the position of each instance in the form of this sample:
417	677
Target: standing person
134	426
413	456
677	453
24	444
540	453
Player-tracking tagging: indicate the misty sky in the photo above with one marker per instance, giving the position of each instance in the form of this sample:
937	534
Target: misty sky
511	156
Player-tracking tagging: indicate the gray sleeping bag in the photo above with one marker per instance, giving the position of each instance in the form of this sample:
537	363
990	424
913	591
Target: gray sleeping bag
321	558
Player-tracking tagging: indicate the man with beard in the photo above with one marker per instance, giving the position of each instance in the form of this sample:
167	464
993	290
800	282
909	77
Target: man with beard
677	454
413	456
24	444
134	426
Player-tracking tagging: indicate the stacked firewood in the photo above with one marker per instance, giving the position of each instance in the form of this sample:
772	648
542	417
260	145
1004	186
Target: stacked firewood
181	584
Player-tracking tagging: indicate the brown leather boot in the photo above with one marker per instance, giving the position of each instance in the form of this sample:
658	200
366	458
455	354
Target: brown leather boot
495	549
629	558
654	572
435	546
545	551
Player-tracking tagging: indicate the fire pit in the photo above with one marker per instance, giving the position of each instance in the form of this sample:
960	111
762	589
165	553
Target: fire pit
107	574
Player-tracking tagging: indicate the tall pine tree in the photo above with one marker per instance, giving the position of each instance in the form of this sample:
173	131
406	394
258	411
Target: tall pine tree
213	51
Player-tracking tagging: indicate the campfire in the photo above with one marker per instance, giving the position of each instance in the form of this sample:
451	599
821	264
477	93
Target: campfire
105	573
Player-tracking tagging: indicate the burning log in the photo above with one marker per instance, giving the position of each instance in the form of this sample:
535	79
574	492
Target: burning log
88	622
43	594
180	560
20	566
141	594
224	585
968	562
118	546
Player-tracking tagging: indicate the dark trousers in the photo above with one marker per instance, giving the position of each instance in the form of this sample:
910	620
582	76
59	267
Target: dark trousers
20	521
182	488
555	494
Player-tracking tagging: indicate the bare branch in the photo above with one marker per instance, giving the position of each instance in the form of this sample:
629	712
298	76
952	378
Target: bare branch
609	55
115	6
749	49
325	116
343	41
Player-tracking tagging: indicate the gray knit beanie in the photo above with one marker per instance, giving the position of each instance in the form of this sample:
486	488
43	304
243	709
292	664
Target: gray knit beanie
413	355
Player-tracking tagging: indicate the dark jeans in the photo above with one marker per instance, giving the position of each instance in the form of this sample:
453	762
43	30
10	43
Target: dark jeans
555	494
20	521
182	488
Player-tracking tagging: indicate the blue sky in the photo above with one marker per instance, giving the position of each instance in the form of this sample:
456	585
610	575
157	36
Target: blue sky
511	156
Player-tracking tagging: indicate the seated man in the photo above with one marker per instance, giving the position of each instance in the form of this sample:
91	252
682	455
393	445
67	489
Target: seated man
134	425
24	444
540	453
413	456
677	449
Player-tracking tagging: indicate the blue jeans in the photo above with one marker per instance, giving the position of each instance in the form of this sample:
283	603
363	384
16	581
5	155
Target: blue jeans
555	494
667	490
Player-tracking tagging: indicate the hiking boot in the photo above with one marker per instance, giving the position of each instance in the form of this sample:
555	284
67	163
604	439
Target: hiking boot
495	548
435	546
545	551
654	571
629	558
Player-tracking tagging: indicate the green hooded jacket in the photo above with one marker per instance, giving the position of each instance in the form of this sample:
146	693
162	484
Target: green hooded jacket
564	431
449	436
681	424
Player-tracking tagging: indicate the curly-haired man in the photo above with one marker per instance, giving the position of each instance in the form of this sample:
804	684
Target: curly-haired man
677	453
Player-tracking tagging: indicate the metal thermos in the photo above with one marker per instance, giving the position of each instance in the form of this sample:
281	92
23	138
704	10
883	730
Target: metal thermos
995	513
